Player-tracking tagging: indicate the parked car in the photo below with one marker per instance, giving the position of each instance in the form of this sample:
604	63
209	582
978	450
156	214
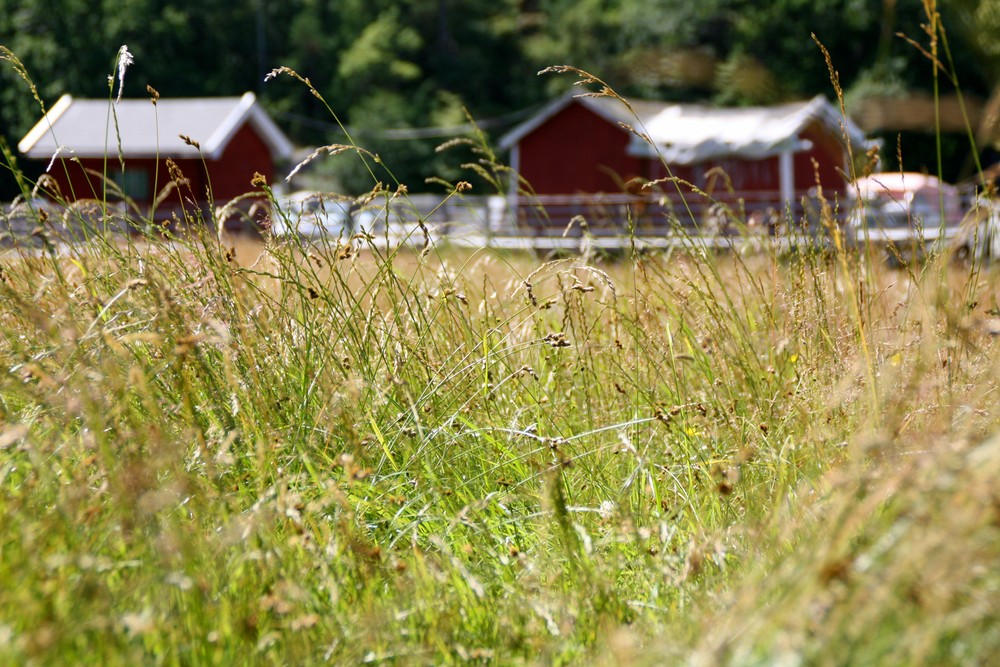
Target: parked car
312	214
899	207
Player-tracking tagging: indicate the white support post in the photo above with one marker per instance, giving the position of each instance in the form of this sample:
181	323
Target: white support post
512	186
786	178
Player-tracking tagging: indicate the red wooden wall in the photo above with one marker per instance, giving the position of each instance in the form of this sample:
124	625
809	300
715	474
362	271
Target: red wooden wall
828	151
231	174
577	151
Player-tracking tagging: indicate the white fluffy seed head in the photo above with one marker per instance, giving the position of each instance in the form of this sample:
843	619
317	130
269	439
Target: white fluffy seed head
124	60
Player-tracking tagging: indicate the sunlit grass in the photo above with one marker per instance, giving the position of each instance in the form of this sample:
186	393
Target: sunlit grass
224	450
293	452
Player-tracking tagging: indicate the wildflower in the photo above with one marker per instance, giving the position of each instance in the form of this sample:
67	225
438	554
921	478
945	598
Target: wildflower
124	60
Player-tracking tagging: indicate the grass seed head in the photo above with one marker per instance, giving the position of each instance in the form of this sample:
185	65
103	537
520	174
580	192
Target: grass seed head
125	59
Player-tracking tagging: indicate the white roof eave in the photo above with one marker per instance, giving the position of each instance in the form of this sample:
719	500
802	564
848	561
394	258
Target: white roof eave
44	126
512	138
248	110
281	147
217	142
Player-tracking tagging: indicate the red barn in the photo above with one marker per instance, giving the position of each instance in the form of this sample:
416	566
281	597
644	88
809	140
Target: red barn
217	144
592	148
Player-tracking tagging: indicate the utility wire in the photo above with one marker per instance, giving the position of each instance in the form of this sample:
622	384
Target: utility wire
410	133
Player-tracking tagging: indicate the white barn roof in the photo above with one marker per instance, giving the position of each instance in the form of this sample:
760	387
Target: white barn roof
86	128
691	133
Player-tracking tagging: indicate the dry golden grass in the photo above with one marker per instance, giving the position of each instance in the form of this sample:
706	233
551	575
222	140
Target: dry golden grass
289	450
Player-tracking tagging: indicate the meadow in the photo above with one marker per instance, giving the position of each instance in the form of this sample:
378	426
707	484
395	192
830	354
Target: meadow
305	452
216	452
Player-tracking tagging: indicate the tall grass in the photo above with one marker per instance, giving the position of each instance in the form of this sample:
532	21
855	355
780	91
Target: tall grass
309	452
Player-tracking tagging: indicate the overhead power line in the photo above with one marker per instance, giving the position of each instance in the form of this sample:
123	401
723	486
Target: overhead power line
410	133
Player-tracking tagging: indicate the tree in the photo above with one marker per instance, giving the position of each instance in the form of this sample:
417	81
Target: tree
386	65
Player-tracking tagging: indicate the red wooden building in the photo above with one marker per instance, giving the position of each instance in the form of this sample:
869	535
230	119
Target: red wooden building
217	144
593	148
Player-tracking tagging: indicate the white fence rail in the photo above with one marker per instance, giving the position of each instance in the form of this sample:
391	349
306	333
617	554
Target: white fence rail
572	222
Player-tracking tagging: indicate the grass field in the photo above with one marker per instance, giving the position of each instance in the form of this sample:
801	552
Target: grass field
219	452
229	453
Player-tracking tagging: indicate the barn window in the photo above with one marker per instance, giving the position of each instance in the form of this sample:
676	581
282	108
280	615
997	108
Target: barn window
134	183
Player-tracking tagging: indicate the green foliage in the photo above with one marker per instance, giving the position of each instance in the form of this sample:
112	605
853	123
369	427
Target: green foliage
376	59
483	54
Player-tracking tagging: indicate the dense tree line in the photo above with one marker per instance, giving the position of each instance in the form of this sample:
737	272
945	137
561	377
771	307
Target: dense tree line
384	64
